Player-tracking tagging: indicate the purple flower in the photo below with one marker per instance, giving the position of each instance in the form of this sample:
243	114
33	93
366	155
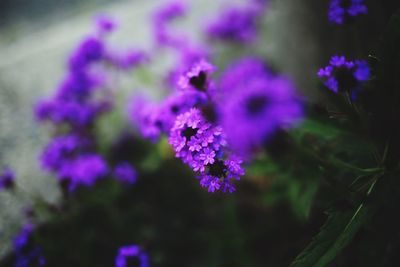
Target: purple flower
342	75
128	252
105	23
236	24
125	173
176	104
197	77
7	179
144	115
84	170
188	55
239	72
89	51
261	106
26	255
74	113
200	144
153	119
341	11
161	20
207	155
191	133
77	86
62	149
220	175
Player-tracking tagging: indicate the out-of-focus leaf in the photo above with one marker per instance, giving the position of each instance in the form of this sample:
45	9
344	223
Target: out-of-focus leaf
301	196
334	236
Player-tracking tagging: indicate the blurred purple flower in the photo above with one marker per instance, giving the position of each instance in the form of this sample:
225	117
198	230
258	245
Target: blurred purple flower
74	113
261	105
133	251
197	77
342	75
90	50
84	170
105	23
341	11
7	179
125	173
236	24
62	149
161	20
143	113
237	74
26	255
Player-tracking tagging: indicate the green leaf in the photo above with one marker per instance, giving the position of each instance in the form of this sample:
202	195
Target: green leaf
334	236
301	195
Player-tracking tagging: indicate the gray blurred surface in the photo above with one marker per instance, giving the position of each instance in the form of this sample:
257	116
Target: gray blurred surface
32	57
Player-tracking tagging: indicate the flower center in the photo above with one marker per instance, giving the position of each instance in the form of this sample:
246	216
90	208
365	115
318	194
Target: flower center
345	79
132	261
217	169
345	4
199	81
256	104
175	109
189	132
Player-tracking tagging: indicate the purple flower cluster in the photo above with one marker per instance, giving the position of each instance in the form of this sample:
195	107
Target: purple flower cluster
200	145
127	253
78	102
237	24
341	11
255	104
26	255
6	179
342	75
197	77
235	117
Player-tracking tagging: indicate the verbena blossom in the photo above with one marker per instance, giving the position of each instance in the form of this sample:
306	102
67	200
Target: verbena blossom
221	174
253	111
62	149
197	77
237	74
90	50
343	75
341	11
154	119
143	113
105	23
201	144
187	55
237	24
85	170
127	253
7	179
27	254
125	173
161	24
72	159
